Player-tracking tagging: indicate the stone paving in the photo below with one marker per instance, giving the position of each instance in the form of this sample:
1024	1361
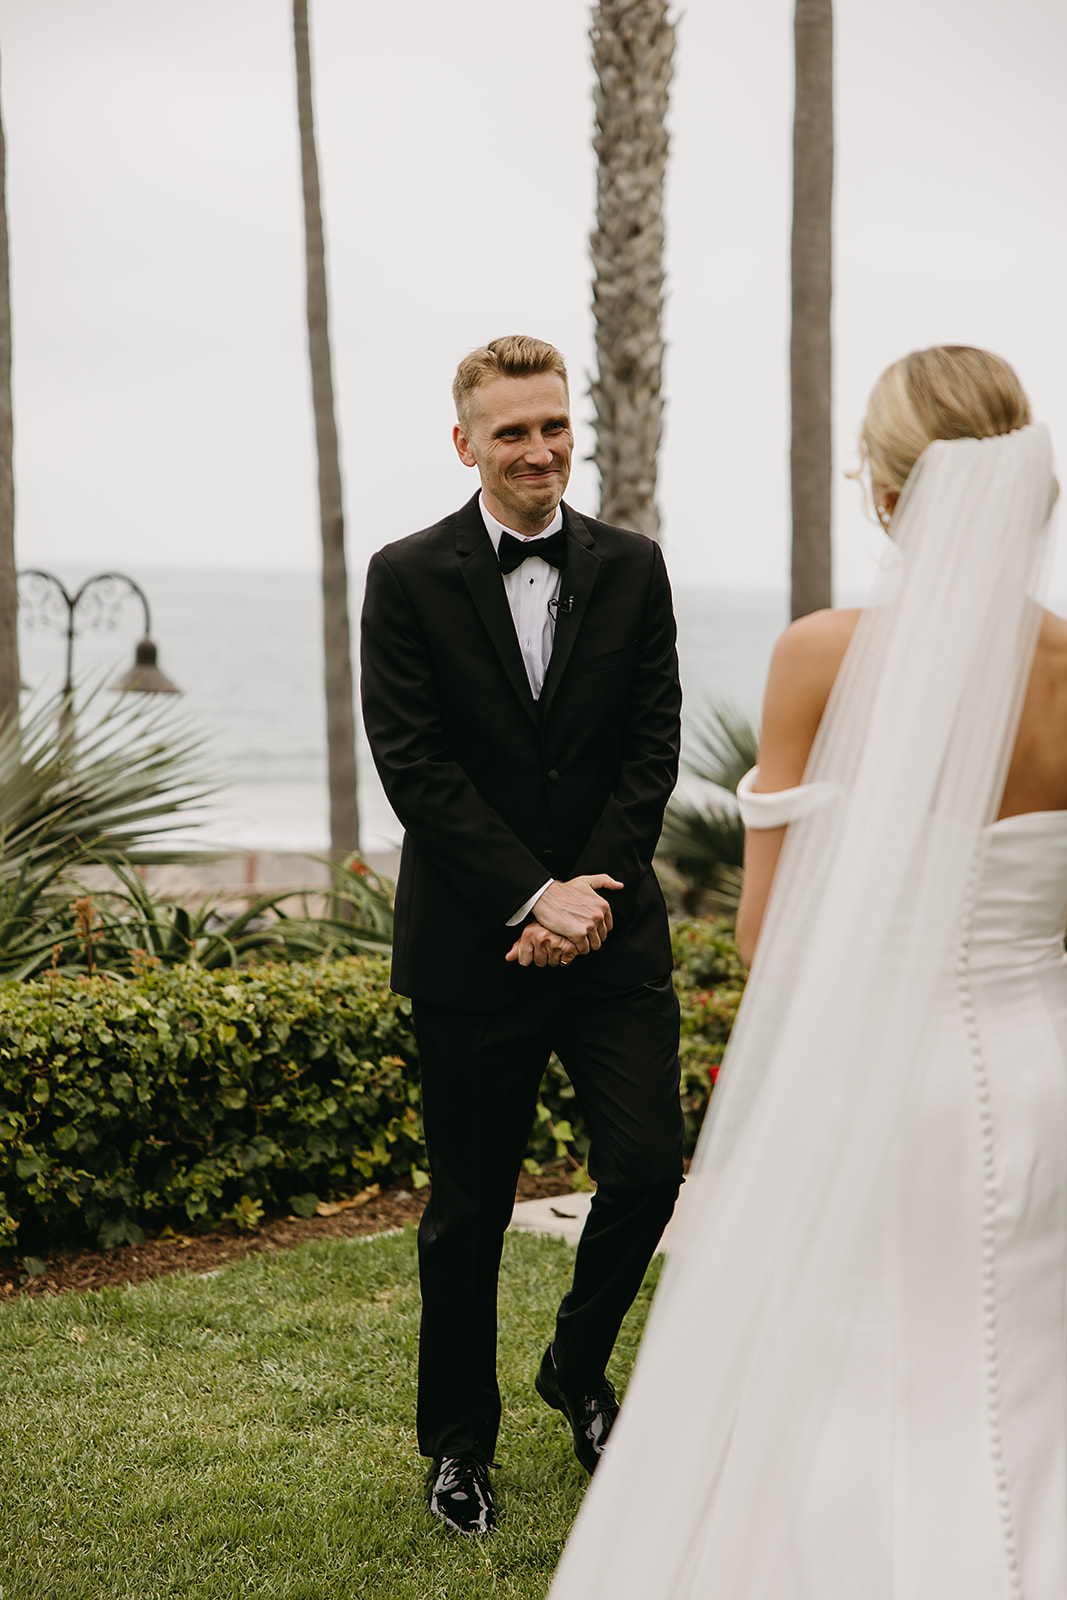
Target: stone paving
564	1215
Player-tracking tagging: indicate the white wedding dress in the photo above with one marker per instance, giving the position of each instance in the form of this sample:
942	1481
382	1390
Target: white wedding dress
853	1381
947	1449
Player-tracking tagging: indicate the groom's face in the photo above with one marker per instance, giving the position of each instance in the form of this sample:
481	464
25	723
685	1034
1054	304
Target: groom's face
519	437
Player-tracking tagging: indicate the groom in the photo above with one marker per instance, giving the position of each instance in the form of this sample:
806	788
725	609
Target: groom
521	697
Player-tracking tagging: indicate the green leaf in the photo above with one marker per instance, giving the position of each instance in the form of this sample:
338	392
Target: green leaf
120	1230
246	1214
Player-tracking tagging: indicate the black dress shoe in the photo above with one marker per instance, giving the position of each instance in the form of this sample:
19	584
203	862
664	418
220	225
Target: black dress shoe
461	1494
591	1411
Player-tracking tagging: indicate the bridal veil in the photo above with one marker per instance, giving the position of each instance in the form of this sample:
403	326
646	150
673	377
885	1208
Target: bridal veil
779	1261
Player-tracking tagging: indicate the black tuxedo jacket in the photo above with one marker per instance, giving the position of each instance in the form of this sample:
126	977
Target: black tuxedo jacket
498	792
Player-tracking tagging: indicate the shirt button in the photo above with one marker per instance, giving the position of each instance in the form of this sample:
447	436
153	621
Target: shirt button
553	776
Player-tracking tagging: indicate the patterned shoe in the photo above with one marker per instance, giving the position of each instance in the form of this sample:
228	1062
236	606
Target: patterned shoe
591	1413
461	1494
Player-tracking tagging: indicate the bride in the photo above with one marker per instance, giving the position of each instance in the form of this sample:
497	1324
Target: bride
853	1385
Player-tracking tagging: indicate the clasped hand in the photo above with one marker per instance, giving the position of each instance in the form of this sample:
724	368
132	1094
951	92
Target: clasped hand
571	919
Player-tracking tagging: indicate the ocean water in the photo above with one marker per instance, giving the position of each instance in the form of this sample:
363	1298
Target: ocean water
245	648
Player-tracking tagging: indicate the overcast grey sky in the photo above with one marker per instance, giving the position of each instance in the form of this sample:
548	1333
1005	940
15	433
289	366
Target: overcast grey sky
162	405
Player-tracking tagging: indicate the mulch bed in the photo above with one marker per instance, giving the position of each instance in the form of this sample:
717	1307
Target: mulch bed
75	1271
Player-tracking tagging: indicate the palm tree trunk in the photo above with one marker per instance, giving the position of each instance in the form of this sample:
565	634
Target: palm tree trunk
9	654
810	351
633	55
337	641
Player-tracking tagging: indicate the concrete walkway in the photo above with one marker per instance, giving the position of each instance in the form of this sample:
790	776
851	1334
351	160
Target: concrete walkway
563	1216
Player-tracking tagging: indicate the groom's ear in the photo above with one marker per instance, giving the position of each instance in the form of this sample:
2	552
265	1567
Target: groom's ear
463	446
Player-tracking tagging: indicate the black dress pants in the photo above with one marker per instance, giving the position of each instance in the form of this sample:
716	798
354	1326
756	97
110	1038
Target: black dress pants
481	1071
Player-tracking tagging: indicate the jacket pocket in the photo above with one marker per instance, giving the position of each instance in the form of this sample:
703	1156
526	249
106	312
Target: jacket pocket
609	658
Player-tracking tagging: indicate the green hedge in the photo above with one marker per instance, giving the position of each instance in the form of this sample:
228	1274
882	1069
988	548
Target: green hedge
186	1095
189	1094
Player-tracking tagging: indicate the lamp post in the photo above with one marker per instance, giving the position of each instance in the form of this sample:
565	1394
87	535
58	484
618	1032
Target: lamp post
95	604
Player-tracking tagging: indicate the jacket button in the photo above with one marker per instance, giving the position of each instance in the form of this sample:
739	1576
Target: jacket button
553	776
547	855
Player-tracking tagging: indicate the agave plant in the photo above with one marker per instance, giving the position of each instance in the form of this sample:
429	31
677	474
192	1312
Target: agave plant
702	846
724	745
109	795
109	798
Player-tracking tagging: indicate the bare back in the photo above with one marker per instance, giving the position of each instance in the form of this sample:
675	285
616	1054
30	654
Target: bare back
1037	776
806	661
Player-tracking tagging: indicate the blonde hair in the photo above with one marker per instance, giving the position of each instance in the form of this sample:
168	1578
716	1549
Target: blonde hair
515	356
950	391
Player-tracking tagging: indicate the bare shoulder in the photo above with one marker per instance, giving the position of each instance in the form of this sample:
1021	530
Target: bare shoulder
812	648
803	667
819	634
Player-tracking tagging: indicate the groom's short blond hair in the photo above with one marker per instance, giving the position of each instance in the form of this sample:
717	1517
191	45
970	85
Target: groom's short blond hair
515	356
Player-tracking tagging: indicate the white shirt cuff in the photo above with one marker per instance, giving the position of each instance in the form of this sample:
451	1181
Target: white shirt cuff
524	910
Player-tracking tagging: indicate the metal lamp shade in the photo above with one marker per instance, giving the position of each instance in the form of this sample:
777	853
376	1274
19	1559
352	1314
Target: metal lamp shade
144	677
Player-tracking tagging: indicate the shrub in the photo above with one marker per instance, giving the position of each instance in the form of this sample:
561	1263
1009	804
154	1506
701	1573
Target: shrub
709	980
191	1094
187	1095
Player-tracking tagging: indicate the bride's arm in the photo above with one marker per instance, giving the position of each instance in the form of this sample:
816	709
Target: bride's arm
802	671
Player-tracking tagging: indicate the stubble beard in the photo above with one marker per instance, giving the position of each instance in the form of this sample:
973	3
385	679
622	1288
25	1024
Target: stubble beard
533	508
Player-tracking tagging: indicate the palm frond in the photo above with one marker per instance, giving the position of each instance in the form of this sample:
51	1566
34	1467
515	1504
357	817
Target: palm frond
722	745
701	848
107	792
132	773
709	836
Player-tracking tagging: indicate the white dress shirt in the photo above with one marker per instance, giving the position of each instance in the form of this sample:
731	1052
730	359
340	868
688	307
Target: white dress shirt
529	589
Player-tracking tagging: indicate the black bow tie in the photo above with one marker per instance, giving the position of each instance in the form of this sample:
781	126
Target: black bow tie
513	552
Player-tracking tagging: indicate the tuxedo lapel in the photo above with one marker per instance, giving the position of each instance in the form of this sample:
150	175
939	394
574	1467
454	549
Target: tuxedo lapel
576	586
480	570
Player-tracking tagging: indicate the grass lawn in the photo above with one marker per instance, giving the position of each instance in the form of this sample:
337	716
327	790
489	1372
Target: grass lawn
251	1434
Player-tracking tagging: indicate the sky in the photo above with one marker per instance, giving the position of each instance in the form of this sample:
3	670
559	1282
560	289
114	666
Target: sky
161	392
